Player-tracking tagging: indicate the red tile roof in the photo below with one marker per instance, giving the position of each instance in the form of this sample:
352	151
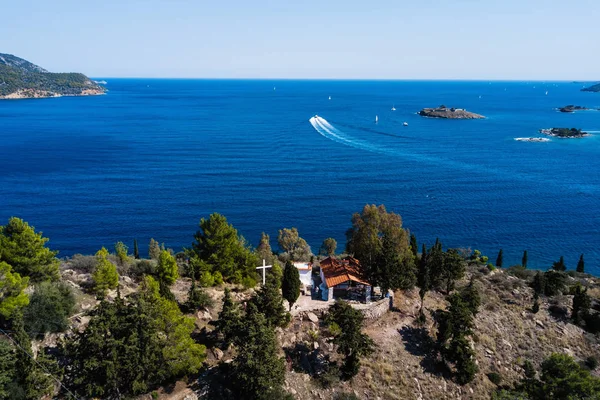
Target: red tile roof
340	271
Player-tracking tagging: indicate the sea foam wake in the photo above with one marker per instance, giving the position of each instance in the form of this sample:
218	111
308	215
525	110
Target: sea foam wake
325	129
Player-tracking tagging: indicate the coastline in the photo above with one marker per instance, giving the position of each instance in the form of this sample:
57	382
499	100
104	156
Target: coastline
42	94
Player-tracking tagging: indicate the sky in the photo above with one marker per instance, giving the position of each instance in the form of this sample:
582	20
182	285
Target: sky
326	39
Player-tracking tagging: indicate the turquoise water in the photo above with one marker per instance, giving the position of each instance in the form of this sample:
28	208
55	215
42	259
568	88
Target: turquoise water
152	157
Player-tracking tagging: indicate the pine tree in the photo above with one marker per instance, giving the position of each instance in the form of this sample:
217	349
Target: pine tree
167	273
413	245
25	251
290	285
268	300
105	274
7	370
136	251
559	265
524	259
581	264
499	259
12	290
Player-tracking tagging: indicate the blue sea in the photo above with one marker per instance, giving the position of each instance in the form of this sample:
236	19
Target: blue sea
152	157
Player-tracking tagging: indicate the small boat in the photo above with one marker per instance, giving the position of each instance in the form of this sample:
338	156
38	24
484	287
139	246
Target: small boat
274	88
376	119
329	97
546	93
405	124
393	108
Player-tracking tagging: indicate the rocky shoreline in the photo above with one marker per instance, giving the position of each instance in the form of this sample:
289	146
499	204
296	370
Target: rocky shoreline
43	94
532	139
449	113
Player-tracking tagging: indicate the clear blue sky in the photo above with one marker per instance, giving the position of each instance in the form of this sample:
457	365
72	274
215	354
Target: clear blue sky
388	39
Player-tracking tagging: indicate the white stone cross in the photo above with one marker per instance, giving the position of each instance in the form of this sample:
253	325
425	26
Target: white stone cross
264	268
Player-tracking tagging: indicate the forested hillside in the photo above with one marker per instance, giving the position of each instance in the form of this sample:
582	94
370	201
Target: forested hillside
20	78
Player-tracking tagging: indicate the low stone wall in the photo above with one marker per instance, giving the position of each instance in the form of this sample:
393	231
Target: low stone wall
377	309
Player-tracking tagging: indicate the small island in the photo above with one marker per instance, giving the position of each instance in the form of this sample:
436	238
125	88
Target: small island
449	113
571	108
21	79
564	132
593	88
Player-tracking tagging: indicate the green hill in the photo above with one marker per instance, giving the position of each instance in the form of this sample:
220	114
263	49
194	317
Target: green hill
21	79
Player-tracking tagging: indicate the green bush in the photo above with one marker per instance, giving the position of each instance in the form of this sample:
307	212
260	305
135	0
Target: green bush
591	363
495	378
206	279
218	278
49	308
491	267
142	267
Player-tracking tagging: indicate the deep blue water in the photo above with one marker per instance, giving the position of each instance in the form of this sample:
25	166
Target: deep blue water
152	157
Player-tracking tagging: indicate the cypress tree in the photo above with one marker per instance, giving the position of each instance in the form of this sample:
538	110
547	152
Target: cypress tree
413	245
539	283
230	319
524	259
31	379
290	285
581	265
581	304
268	300
536	303
499	259
559	265
423	280
136	251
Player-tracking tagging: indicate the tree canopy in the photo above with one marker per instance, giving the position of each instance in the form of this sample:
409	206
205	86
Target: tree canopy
328	247
348	337
294	246
105	274
379	242
12	290
219	248
25	251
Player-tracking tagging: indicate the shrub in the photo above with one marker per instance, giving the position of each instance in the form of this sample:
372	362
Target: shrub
591	363
206	279
248	282
495	378
218	278
199	299
49	308
83	264
142	267
345	396
491	267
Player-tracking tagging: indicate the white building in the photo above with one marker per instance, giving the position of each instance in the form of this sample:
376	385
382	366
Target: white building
305	271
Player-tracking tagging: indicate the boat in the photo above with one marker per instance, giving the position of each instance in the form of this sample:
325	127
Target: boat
376	118
405	124
546	93
329	97
393	108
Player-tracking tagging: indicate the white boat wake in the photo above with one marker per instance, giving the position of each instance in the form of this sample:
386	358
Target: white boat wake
325	129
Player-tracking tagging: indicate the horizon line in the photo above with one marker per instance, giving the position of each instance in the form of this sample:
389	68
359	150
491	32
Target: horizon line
349	79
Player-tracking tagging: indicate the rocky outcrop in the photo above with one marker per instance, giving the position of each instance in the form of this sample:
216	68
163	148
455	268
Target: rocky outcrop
571	108
564	132
449	113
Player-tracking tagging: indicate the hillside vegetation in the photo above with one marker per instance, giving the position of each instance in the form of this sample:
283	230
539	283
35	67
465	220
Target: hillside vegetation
197	325
20	79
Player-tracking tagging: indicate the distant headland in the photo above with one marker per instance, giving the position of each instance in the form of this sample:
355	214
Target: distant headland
20	79
449	113
593	88
564	132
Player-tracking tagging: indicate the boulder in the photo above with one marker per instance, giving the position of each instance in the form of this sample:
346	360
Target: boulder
312	317
218	353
